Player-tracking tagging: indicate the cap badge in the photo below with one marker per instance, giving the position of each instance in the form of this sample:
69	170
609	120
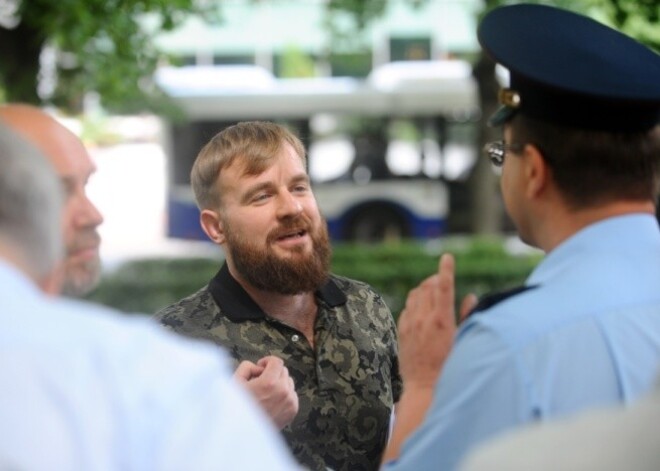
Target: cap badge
509	98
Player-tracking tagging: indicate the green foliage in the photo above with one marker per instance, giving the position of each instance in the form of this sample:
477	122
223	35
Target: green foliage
482	265
343	18
102	46
637	18
295	63
95	131
355	64
145	286
361	11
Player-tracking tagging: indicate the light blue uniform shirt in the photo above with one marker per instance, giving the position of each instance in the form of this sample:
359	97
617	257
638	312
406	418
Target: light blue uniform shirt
586	335
83	388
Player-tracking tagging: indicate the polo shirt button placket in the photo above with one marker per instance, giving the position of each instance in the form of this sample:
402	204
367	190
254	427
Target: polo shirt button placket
295	337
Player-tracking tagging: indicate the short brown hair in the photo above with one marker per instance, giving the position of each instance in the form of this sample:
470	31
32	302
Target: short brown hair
256	143
594	167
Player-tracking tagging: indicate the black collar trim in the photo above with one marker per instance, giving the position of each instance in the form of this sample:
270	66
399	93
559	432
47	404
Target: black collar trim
490	300
237	305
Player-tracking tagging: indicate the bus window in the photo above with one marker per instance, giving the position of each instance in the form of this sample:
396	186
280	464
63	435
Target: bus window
384	179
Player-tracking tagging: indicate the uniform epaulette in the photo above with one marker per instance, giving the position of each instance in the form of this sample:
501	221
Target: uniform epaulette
490	300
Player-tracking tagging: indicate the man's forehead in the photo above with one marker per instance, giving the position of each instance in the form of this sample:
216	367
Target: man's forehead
60	145
68	154
244	169
239	177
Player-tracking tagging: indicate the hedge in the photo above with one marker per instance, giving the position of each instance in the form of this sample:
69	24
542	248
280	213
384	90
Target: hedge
482	265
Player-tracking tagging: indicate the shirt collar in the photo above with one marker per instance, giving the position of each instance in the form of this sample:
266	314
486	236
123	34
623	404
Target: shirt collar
606	235
237	305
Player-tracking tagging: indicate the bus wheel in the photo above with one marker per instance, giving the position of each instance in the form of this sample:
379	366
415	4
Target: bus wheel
379	224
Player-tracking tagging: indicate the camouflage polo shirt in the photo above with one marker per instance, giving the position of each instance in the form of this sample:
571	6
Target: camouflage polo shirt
346	384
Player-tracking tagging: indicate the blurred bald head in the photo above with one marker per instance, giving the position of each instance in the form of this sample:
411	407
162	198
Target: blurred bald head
72	163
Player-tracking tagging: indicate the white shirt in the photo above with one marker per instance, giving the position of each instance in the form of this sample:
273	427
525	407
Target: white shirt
85	388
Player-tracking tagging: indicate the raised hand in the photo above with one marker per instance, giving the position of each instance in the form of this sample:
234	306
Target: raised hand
269	382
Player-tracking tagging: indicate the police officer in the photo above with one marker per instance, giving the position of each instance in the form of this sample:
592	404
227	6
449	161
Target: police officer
579	161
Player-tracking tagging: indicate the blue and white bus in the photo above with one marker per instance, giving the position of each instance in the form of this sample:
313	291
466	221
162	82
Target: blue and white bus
380	150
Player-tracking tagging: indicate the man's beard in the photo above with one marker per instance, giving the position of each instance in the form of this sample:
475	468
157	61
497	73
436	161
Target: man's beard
265	270
81	277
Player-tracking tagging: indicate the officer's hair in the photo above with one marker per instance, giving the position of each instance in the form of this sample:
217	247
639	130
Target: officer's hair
595	167
31	201
253	143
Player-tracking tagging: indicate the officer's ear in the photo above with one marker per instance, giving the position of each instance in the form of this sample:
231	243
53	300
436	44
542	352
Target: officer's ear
212	225
537	171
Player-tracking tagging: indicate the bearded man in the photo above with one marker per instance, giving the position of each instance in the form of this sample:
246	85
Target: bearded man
318	351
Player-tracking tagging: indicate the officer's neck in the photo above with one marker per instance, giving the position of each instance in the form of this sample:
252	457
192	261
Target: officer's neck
567	221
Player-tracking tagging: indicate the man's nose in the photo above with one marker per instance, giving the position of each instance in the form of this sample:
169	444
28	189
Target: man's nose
288	205
87	214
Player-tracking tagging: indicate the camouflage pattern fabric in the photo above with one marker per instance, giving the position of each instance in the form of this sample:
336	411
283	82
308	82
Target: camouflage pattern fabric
346	385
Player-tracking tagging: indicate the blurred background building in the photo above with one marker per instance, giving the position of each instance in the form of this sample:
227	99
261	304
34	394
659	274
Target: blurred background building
389	115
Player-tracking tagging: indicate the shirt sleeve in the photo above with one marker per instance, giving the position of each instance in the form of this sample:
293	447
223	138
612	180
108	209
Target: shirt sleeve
480	393
221	428
198	417
393	343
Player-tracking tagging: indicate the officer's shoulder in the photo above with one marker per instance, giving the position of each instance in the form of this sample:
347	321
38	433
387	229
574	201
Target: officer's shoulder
492	300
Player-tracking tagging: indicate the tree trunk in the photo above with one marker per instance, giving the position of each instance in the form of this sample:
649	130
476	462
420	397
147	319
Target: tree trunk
487	208
20	49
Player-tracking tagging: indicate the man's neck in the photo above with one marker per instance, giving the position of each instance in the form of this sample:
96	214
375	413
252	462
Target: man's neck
566	223
295	310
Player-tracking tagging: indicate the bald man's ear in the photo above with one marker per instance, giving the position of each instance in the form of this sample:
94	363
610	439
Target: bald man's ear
212	226
537	171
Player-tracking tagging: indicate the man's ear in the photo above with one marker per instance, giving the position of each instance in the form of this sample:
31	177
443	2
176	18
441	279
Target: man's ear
212	226
537	171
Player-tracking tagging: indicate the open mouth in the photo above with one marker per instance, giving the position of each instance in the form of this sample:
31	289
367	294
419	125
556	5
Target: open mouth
292	235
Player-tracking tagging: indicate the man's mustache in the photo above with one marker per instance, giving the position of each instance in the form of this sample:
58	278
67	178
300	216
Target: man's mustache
300	224
86	239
